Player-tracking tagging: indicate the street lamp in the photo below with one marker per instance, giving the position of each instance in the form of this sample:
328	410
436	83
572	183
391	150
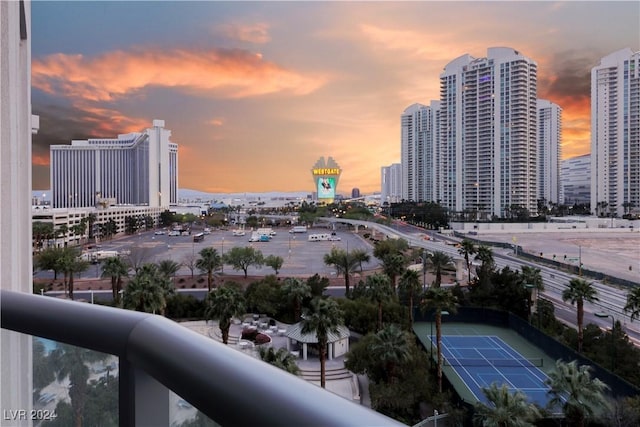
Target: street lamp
613	342
424	269
222	256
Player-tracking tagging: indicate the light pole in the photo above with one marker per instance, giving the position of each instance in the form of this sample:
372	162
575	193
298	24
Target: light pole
222	256
613	341
424	269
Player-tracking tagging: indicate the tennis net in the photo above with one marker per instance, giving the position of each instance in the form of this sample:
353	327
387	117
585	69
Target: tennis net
535	362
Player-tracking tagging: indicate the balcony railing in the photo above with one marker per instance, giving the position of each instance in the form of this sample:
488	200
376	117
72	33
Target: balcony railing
157	355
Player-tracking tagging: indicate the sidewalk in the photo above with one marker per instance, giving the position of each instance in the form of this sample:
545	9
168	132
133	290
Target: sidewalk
349	388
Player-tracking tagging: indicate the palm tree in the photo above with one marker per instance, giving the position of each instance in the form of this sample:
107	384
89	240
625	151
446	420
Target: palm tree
223	304
147	291
389	346
467	249
393	265
296	291
439	300
69	263
360	255
439	261
209	261
572	388
322	317
62	231
410	284
506	409
577	293
484	254
343	263
169	268
116	269
280	359
379	290
633	303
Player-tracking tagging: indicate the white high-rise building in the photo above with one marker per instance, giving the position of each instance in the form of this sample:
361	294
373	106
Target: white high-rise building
488	133
133	169
419	146
391	184
615	133
549	152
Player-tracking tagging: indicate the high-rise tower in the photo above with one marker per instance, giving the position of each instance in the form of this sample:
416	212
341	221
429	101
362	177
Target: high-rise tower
488	133
549	152
615	134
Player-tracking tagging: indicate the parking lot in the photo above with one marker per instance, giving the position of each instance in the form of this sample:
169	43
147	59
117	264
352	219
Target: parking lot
301	257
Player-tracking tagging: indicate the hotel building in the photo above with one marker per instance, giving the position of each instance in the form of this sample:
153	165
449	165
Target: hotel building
139	168
615	133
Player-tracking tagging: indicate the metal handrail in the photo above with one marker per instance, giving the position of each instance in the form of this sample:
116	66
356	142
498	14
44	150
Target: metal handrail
228	386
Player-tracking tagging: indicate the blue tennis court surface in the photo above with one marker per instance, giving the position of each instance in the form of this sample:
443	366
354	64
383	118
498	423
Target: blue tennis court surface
482	360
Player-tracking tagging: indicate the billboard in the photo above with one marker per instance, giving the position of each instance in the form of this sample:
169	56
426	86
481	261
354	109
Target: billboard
326	187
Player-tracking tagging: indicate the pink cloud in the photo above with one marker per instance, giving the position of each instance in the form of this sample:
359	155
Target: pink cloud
253	33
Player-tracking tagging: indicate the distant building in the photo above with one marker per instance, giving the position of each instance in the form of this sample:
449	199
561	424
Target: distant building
576	180
139	168
419	151
615	133
355	193
391	184
549	152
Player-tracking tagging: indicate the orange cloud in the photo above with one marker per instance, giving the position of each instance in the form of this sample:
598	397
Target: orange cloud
39	160
417	43
253	33
216	122
227	73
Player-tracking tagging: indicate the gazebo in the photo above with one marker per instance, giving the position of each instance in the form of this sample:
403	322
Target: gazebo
338	343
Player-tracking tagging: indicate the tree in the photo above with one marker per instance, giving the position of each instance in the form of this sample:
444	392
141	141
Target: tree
506	409
116	269
577	293
91	220
71	362
62	231
322	317
393	265
274	262
148	290
209	262
189	261
343	263
42	231
47	259
138	256
241	258
439	261
390	347
467	249
69	264
410	285
280	358
633	303
169	268
379	290
439	300
223	304
572	389
296	291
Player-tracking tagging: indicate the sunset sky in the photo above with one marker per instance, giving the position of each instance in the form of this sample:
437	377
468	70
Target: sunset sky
255	92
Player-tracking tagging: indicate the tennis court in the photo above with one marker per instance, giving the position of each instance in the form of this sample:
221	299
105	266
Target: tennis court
482	360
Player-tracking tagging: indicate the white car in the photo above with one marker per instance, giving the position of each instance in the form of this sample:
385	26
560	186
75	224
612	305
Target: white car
334	238
159	232
174	233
